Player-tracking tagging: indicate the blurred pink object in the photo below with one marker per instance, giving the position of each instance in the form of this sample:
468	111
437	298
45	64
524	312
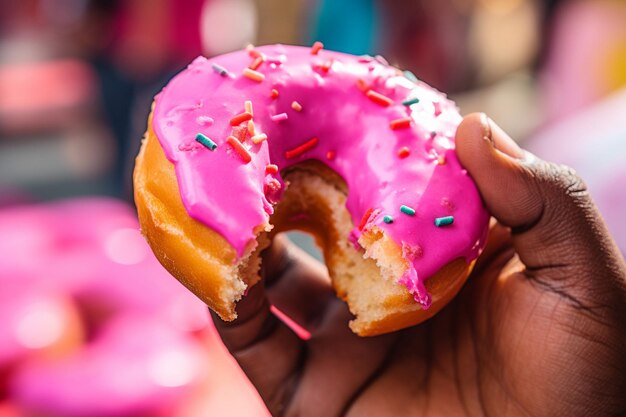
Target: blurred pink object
593	142
587	55
92	325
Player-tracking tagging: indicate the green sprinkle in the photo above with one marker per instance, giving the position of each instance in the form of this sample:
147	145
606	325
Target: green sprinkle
410	101
388	219
407	210
206	141
444	221
409	75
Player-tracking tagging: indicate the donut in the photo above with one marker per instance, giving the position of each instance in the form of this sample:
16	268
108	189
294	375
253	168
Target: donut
249	144
78	285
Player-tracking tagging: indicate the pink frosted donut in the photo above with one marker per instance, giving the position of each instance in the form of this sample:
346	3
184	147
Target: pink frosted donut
251	143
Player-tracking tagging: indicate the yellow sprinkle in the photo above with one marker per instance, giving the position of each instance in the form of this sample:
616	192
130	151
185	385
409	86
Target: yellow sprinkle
253	75
259	138
296	106
248	106
251	128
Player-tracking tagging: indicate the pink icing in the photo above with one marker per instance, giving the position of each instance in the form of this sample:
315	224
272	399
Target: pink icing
233	197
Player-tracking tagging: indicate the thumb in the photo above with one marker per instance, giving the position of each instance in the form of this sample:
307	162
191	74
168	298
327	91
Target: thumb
554	223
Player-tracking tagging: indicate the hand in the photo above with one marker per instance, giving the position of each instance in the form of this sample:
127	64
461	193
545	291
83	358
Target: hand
538	330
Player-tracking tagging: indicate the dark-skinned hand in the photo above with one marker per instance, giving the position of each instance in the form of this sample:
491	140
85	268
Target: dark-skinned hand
538	330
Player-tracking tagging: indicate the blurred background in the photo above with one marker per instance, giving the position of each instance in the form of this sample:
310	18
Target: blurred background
77	336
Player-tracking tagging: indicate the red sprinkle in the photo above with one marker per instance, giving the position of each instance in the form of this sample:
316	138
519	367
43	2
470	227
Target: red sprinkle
379	98
255	54
317	46
240	118
365	218
239	148
326	66
404	152
274	93
400	123
299	150
330	155
362	85
271	169
257	62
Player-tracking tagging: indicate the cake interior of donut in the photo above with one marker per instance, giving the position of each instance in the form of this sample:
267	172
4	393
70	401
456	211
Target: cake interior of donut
364	274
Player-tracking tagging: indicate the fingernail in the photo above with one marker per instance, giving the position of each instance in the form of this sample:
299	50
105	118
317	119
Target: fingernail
504	143
486	123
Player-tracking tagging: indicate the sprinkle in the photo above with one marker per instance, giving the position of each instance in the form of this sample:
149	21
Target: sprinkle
257	62
279	117
258	138
388	219
200	138
255	53
400	123
240	118
403	152
409	75
274	93
362	85
410	101
326	66
317	46
365	218
253	75
299	150
239	148
441	160
444	221
219	69
251	128
205	120
407	210
248	107
437	107
330	155
379	98
296	106
271	169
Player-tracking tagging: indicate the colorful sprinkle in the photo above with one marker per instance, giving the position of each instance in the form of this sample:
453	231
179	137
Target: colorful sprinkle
258	138
240	118
388	219
248	107
271	169
365	218
274	93
411	101
410	76
257	62
407	210
251	128
255	53
379	98
317	46
299	150
240	149
444	221
296	106
219	69
362	85
253	75
279	117
441	160
326	66
402	123
403	152
330	155
204	140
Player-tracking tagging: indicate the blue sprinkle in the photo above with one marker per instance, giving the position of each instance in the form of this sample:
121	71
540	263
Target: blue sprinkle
410	101
409	75
220	69
444	221
407	210
206	141
388	219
